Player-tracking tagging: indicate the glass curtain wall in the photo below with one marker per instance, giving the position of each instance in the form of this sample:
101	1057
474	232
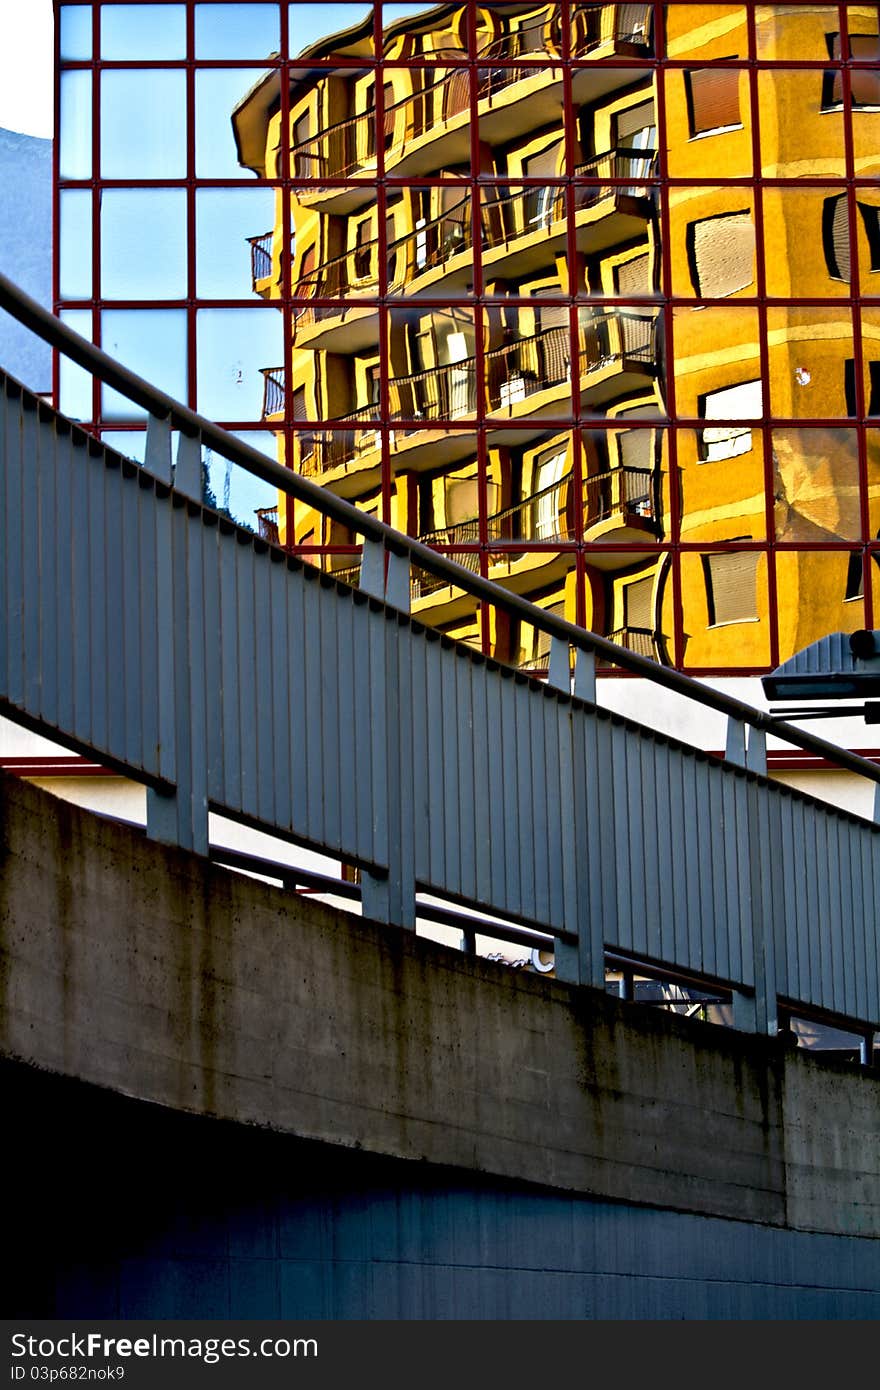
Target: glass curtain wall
580	294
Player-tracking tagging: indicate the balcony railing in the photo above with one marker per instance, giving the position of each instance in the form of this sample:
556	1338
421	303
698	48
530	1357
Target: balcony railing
267	524
261	257
641	640
319	451
622	491
273	391
441	393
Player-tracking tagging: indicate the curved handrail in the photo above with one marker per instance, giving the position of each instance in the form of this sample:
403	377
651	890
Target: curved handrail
156	402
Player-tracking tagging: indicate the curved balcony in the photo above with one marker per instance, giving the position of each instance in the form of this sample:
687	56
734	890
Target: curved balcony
261	262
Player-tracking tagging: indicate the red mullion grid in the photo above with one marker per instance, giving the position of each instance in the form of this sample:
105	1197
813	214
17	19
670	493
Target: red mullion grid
382	278
764	355
479	325
576	431
666	311
56	201
283	177
191	341
96	206
574	310
855	294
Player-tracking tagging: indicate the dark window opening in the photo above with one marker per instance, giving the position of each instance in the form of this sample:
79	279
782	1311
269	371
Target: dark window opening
849	387
864	83
836	238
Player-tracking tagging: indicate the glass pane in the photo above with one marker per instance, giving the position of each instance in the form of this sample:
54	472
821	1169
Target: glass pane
75	126
725	611
807	242
75	244
152	342
721	482
143	124
708	123
237	493
795	33
809	350
75	33
232	347
866	140
218	92
143	243
236	249
430	242
433	364
344	30
801	124
528	362
870	362
607	31
817	593
328	455
717	365
706	31
74	383
619	362
872	450
624	602
816	485
624	486
143	33
132	444
237	31
712	242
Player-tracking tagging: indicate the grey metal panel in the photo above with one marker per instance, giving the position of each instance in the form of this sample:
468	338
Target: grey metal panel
481	757
46	586
449	826
296	676
247	675
213	660
363	743
280	722
260	736
524	798
539	811
510	793
99	654
15	594
227	639
467	823
557	743
30	530
497	822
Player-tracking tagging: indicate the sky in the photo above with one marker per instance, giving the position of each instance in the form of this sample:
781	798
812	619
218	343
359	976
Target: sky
26	66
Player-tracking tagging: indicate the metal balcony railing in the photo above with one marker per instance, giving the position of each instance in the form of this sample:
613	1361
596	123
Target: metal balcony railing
267	524
273	391
641	640
620	491
261	256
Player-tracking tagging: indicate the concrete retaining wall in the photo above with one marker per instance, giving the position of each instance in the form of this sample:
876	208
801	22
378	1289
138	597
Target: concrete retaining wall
139	968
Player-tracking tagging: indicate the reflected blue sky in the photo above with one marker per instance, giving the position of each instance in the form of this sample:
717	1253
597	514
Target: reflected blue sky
143	32
232	345
225	218
152	342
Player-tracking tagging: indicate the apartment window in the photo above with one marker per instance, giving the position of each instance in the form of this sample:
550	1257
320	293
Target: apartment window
741	402
864	83
849	387
836	240
541	651
713	99
363	249
721	254
633	277
635	131
638	604
549	471
731	586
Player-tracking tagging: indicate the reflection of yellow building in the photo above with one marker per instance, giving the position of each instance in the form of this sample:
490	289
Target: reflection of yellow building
478	349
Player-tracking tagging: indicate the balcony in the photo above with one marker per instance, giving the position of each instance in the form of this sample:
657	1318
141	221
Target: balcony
261	261
622	504
273	392
642	640
267	524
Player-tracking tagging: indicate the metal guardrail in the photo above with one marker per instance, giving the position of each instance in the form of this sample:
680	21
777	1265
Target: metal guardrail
431	767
